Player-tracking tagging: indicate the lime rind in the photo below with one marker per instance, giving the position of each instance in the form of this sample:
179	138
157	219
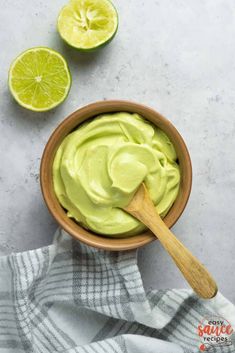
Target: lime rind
84	33
26	71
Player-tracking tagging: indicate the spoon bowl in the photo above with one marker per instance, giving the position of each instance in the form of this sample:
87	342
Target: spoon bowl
72	122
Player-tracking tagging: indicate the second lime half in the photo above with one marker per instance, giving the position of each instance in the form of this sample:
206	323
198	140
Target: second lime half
88	24
39	79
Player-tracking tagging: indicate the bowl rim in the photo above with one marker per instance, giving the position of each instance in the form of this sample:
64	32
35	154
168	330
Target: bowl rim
86	236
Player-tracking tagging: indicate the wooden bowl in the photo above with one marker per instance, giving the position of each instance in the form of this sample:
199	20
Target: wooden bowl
72	122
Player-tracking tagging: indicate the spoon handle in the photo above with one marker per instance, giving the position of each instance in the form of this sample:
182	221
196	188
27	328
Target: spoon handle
142	208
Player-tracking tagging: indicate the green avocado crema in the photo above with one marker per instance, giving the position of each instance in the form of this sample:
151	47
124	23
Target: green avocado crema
98	168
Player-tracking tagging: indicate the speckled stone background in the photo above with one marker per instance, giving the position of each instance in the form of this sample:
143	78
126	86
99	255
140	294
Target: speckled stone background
174	55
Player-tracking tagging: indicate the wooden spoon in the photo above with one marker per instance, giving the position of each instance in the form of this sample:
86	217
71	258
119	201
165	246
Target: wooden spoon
142	208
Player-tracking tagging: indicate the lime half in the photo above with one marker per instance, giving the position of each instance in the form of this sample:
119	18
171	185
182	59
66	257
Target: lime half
88	24
39	79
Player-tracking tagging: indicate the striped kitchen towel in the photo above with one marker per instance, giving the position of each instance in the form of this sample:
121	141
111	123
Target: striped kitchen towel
72	298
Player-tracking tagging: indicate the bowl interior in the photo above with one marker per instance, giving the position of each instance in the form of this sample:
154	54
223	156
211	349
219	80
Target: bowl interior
71	123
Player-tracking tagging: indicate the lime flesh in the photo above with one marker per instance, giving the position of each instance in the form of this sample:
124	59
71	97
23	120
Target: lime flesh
39	79
88	24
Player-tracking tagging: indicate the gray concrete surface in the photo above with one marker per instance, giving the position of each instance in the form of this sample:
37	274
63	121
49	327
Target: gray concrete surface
174	55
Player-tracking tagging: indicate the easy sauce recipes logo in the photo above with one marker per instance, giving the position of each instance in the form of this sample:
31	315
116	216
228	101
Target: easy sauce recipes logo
213	332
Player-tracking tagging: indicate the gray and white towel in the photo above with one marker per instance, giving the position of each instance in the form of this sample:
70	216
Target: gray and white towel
69	298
